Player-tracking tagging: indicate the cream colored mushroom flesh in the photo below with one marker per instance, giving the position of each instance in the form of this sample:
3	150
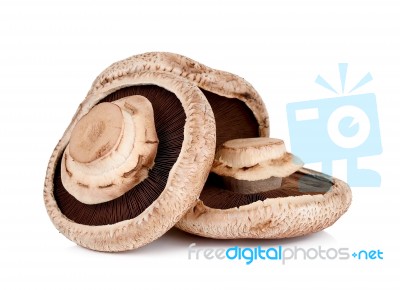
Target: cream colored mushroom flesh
112	149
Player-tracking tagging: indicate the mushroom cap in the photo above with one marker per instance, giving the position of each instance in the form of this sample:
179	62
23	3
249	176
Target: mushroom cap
255	159
222	90
185	179
276	217
258	190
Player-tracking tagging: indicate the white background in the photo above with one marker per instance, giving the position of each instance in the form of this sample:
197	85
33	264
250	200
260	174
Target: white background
50	53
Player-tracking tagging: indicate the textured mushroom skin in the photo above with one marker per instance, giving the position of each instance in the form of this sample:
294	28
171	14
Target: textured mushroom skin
185	182
216	81
273	218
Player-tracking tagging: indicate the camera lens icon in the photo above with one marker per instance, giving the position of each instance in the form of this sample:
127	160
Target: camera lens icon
348	126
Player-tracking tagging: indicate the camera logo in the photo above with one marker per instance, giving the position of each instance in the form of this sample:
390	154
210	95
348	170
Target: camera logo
343	127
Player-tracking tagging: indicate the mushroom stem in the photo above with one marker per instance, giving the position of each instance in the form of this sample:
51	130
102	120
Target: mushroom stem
254	165
111	150
97	134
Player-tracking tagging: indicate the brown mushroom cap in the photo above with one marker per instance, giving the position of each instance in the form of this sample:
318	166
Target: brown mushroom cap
184	156
235	102
274	198
283	213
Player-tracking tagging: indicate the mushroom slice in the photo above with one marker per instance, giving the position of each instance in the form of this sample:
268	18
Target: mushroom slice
258	190
111	150
132	162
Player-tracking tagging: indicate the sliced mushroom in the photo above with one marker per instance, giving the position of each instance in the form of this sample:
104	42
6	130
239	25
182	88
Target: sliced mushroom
111	150
258	190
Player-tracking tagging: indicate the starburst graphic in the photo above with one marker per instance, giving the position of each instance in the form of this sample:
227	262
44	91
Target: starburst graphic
343	74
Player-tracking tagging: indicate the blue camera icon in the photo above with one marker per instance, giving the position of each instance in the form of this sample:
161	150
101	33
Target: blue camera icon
345	127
